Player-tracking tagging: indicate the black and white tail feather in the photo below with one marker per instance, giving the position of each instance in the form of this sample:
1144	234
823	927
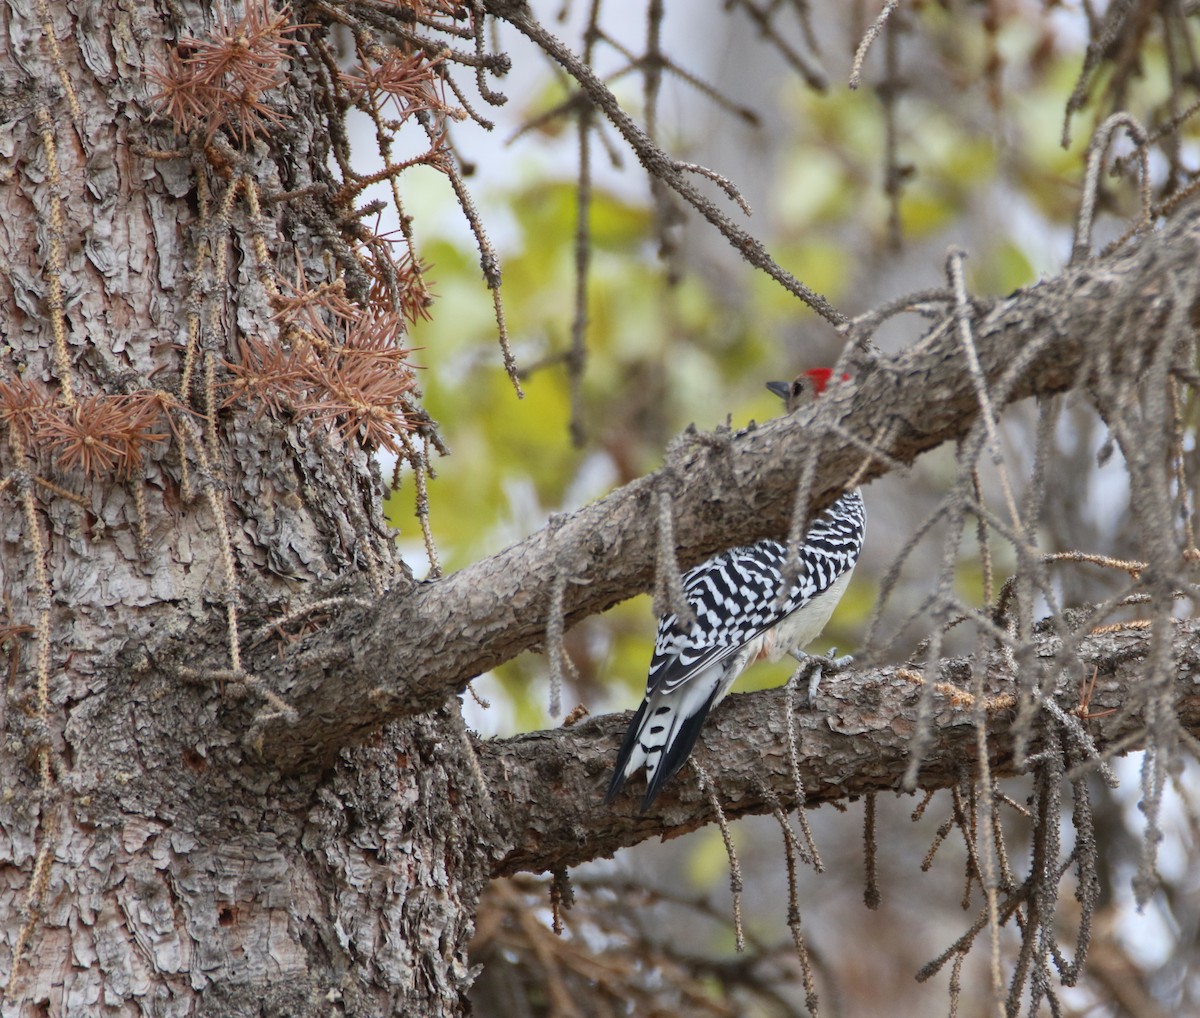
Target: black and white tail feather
740	617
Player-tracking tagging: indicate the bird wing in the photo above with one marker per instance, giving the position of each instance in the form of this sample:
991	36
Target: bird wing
735	595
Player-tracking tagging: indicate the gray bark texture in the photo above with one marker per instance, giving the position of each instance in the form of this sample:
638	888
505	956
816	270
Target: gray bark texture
307	830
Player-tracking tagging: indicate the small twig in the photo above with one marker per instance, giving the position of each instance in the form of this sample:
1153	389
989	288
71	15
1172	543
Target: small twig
1183	492
562	897
873	451
724	183
793	915
79	500
659	165
981	537
481	781
789	719
895	174
860	328
224	541
869	36
55	261
801	520
1130	566
962	312
483	61
987	877
554	641
1101	141
31	909
735	868
576	358
418	459
1093	758
275	625
813	75
871	895
488	260
669	596
56	57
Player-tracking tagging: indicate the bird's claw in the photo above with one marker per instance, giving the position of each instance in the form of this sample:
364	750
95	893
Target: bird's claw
838	663
819	665
814	681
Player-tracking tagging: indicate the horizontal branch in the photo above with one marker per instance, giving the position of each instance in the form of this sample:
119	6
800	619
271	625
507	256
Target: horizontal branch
858	740
406	654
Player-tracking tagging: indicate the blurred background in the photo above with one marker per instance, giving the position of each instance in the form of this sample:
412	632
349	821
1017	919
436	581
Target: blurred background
955	137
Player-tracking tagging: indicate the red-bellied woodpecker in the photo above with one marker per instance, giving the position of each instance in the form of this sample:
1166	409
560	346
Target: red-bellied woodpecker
743	613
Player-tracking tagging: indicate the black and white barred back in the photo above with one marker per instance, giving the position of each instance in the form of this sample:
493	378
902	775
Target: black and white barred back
739	617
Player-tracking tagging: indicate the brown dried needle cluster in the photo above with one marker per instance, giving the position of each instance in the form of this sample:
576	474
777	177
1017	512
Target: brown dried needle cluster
213	83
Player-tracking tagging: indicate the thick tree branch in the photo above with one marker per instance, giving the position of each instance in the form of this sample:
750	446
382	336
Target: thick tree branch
406	654
856	741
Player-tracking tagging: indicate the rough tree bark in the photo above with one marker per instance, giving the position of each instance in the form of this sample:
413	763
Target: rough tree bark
153	865
307	830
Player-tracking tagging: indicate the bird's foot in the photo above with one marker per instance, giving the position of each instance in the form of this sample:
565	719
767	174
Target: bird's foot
830	663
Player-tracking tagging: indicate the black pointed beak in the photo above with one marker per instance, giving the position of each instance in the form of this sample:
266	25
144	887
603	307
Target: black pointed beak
780	389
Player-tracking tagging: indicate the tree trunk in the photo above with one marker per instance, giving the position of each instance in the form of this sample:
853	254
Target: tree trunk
155	862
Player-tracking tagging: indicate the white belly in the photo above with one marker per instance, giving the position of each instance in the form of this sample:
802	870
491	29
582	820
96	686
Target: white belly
804	625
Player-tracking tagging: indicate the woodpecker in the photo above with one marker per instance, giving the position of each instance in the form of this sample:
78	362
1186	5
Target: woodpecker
743	613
